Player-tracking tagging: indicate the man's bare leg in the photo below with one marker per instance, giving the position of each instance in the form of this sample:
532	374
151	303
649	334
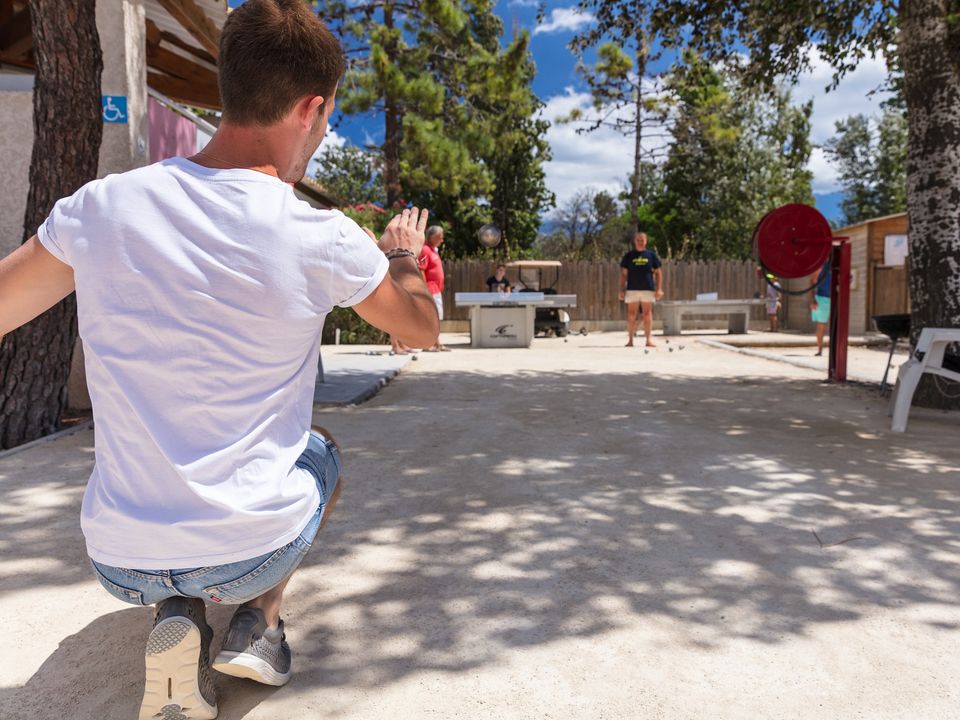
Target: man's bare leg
269	603
821	330
648	323
632	309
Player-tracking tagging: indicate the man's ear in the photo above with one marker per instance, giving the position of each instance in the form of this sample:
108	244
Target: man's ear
309	108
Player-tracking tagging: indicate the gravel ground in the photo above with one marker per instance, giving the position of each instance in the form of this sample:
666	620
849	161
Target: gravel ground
578	530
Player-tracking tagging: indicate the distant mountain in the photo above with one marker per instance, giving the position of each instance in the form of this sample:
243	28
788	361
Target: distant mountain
829	205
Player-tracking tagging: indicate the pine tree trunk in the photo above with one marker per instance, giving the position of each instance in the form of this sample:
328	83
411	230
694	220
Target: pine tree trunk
393	128
643	52
931	63
35	360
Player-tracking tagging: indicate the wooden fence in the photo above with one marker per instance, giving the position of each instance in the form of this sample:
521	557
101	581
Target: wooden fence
596	284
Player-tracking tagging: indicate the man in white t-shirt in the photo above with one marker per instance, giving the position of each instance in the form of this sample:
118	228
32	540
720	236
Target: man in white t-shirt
202	286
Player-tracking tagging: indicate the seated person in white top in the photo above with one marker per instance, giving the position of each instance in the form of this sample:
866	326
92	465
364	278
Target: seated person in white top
202	286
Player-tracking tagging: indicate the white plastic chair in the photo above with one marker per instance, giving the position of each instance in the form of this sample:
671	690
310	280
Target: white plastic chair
927	357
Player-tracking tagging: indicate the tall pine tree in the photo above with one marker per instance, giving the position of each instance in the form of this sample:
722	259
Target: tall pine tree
67	128
407	62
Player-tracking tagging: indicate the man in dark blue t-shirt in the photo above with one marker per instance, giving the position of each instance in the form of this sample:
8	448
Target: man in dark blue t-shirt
641	285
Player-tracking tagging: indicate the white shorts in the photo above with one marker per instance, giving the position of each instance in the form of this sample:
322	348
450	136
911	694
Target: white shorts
639	296
438	299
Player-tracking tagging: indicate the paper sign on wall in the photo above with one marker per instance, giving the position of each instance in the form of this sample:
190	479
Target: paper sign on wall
895	249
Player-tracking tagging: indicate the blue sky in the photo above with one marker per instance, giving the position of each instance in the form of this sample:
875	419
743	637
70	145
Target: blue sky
602	159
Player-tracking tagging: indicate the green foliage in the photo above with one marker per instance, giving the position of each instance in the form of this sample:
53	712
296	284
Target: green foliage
518	150
354	330
872	159
891	157
460	133
735	155
496	123
407	62
351	175
369	216
777	37
623	35
589	226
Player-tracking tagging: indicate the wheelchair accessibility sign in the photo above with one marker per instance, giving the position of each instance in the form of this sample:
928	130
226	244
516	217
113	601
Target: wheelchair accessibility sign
114	108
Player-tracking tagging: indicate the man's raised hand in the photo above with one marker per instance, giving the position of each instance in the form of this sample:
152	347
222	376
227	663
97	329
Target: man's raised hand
405	230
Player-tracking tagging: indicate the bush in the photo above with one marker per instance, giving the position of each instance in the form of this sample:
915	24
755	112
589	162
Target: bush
354	330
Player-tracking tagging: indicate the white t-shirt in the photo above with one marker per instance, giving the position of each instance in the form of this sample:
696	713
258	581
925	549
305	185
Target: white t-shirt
201	295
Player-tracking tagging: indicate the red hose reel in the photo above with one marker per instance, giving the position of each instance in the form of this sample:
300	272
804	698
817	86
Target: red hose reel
794	241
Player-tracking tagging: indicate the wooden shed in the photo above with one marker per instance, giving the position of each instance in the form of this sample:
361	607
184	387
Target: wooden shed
878	285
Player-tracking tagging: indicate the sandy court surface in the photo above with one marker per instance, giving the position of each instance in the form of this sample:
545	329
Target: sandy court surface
574	531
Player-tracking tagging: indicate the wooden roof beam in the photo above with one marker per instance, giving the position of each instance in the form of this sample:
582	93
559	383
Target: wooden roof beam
171	63
195	22
205	95
155	36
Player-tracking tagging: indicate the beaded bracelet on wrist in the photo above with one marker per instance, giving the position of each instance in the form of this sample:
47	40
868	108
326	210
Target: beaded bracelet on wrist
400	252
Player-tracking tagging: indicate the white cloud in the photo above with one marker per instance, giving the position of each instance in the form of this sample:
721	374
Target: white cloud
564	20
524	3
852	96
602	159
825	177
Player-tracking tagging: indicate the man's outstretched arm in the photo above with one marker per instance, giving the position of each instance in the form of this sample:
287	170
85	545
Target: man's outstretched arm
31	281
401	305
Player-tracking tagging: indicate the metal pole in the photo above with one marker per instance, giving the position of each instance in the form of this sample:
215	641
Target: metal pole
839	311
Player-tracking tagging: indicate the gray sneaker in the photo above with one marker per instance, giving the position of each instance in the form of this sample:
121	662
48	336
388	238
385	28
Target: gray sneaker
252	651
178	683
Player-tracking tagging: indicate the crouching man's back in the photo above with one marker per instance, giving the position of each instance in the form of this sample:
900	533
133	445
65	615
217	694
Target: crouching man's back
202	286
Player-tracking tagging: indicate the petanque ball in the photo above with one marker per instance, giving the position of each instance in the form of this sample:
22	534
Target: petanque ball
489	236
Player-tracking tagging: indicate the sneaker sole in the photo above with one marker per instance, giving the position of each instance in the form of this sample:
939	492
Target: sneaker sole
245	665
171	690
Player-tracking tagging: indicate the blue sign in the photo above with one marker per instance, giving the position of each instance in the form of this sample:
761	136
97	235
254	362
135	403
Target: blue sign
114	108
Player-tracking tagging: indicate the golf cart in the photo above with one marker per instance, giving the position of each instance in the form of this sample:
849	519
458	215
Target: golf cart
542	276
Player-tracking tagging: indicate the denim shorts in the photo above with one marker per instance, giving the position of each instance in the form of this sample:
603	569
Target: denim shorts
236	582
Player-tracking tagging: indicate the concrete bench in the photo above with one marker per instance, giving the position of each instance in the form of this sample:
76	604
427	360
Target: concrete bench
737	310
927	357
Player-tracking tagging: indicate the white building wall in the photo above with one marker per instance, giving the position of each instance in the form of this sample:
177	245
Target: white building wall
16	144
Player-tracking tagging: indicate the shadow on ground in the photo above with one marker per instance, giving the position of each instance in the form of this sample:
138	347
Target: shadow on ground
485	513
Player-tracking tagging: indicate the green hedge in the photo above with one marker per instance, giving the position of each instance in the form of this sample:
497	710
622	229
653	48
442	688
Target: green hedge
354	330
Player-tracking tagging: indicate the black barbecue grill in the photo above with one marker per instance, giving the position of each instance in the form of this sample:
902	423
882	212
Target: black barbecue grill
894	327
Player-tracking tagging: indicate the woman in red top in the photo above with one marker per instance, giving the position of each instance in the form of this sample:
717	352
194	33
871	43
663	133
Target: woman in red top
432	269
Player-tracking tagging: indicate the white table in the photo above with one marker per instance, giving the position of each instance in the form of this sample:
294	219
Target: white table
737	310
506	320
